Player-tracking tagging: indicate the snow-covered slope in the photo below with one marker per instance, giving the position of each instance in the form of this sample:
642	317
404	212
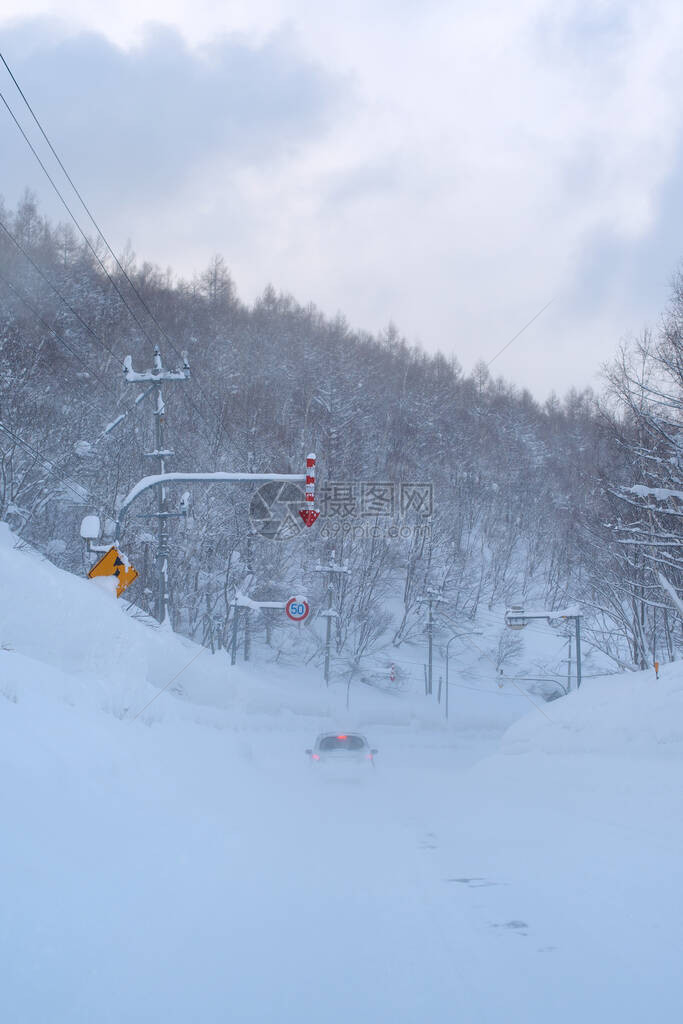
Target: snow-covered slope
183	863
628	715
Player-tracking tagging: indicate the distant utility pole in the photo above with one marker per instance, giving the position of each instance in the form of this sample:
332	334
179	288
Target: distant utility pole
331	570
157	377
569	663
235	622
431	598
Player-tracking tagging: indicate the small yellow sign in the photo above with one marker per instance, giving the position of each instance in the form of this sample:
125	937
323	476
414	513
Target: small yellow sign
112	564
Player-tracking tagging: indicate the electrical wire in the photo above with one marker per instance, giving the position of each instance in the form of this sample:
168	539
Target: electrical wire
97	227
78	355
84	204
163	689
88	242
67	345
510	679
521	331
57	292
48	464
545	666
73	218
464	686
88	328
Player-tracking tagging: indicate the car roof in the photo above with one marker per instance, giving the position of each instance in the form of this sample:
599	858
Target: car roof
338	735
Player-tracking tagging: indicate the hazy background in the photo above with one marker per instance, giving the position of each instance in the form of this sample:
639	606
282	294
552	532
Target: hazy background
450	167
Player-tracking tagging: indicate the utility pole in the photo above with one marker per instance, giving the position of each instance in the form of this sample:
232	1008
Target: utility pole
431	599
577	620
158	376
248	583
308	514
328	631
430	641
569	663
331	570
233	652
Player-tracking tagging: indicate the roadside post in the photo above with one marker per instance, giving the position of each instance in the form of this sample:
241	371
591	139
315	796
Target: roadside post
296	608
332	569
516	617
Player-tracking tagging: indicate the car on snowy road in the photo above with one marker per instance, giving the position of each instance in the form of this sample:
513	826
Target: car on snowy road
342	752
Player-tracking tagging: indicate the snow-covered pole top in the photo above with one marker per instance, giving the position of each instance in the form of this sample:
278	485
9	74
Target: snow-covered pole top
157	373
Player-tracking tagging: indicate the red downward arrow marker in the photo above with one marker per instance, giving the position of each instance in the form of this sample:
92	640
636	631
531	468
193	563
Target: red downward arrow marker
309	515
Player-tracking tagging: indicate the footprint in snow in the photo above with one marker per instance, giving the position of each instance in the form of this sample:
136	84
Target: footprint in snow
474	883
515	926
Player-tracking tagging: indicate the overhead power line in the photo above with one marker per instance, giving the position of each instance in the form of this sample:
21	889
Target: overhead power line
84	204
98	229
77	353
521	331
62	341
82	493
73	218
57	292
106	385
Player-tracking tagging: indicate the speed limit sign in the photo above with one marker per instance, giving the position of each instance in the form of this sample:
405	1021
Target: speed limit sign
297	609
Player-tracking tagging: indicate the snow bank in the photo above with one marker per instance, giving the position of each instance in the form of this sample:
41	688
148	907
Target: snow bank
625	714
199	870
69	639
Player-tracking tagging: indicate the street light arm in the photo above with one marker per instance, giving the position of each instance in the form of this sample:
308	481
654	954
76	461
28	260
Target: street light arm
211	478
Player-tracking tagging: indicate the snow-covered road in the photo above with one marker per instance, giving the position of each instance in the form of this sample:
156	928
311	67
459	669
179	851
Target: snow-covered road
187	865
187	873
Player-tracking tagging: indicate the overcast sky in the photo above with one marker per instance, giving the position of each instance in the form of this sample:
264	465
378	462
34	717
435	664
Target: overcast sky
449	166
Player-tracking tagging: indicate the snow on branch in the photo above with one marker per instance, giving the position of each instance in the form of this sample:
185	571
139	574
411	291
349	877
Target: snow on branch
678	604
659	493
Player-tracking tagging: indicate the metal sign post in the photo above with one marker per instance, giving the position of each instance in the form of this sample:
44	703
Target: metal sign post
332	570
517	618
297	609
161	480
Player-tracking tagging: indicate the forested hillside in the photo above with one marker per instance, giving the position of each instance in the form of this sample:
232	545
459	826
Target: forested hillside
427	477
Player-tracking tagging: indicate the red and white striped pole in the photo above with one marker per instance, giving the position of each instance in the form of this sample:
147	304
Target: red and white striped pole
310	513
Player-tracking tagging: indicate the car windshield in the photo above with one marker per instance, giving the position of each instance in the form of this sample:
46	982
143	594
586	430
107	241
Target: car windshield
341	743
